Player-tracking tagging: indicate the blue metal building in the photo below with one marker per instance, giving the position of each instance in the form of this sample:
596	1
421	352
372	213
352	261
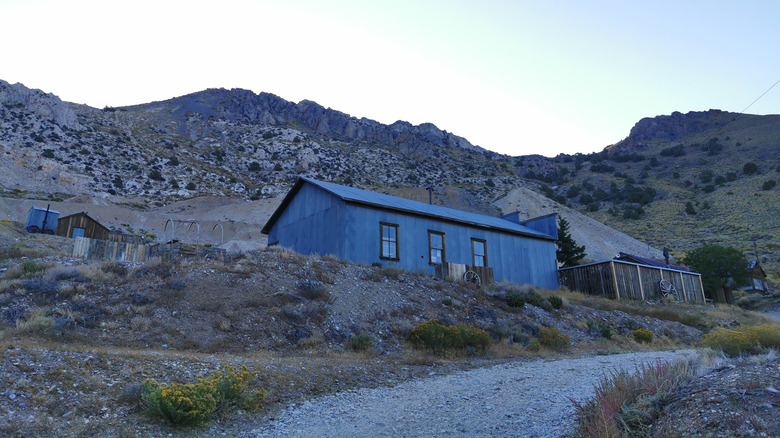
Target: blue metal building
366	227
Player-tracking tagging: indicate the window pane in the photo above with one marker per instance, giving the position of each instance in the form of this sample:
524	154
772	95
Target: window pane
479	248
385	249
436	241
393	251
479	261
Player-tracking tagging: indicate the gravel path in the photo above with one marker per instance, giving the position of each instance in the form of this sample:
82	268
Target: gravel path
530	399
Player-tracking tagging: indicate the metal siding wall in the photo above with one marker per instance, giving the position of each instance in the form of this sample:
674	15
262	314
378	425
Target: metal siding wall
313	223
513	258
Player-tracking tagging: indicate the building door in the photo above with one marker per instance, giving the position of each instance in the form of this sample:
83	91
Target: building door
78	232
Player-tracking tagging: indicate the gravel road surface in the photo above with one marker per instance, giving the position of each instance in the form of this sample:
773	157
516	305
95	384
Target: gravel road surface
528	399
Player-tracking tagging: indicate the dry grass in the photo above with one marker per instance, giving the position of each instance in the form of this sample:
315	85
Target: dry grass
625	403
703	317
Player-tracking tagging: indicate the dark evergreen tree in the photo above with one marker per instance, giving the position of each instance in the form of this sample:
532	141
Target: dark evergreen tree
568	252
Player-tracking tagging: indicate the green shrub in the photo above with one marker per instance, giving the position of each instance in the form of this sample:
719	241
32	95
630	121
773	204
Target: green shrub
533	298
515	300
362	342
632	324
438	338
643	335
31	267
556	301
534	345
606	331
194	403
553	339
743	340
546	306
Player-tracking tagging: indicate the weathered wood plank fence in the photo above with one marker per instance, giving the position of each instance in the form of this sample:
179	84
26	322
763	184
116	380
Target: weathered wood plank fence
187	250
618	279
109	251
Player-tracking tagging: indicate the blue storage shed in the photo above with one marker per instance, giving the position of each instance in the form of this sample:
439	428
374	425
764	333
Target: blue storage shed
318	217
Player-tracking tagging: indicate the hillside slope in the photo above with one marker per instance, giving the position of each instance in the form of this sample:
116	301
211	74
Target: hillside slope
678	181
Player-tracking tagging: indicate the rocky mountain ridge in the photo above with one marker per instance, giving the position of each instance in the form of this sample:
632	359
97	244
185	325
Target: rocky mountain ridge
238	144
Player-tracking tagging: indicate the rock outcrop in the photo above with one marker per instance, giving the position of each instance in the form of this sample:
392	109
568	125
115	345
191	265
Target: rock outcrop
265	108
677	125
48	106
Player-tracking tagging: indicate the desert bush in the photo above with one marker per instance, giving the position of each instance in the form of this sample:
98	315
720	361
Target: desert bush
546	305
632	324
514	300
603	329
313	290
141	323
36	322
392	272
743	340
39	286
643	335
180	403
553	339
438	337
63	273
362	342
26	269
194	403
117	269
155	267
625	403
31	267
556	301
533	297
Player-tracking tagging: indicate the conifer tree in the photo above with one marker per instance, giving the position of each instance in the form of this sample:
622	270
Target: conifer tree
568	252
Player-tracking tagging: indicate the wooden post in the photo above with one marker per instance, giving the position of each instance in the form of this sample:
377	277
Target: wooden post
641	287
614	279
701	286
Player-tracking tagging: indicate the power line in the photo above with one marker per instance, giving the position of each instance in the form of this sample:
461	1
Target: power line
759	97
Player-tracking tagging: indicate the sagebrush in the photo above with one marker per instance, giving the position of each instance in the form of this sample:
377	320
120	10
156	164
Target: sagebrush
439	338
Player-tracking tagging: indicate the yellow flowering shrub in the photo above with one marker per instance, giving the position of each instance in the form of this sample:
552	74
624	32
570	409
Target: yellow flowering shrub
643	335
180	403
432	334
743	340
553	339
194	403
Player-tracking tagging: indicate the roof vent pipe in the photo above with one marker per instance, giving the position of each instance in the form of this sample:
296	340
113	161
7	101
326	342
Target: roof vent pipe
430	188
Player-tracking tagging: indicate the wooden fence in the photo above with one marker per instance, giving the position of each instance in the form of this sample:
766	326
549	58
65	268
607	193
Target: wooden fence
109	251
617	279
187	250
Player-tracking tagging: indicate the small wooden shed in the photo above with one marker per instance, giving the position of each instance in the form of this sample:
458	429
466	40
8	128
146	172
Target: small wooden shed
81	225
620	278
757	280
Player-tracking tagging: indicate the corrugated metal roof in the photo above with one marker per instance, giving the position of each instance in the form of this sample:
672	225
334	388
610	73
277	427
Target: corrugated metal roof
379	200
649	262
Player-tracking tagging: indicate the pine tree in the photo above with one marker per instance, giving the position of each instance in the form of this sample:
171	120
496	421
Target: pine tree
568	252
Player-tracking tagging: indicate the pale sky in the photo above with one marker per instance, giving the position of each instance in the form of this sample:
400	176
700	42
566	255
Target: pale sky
515	77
